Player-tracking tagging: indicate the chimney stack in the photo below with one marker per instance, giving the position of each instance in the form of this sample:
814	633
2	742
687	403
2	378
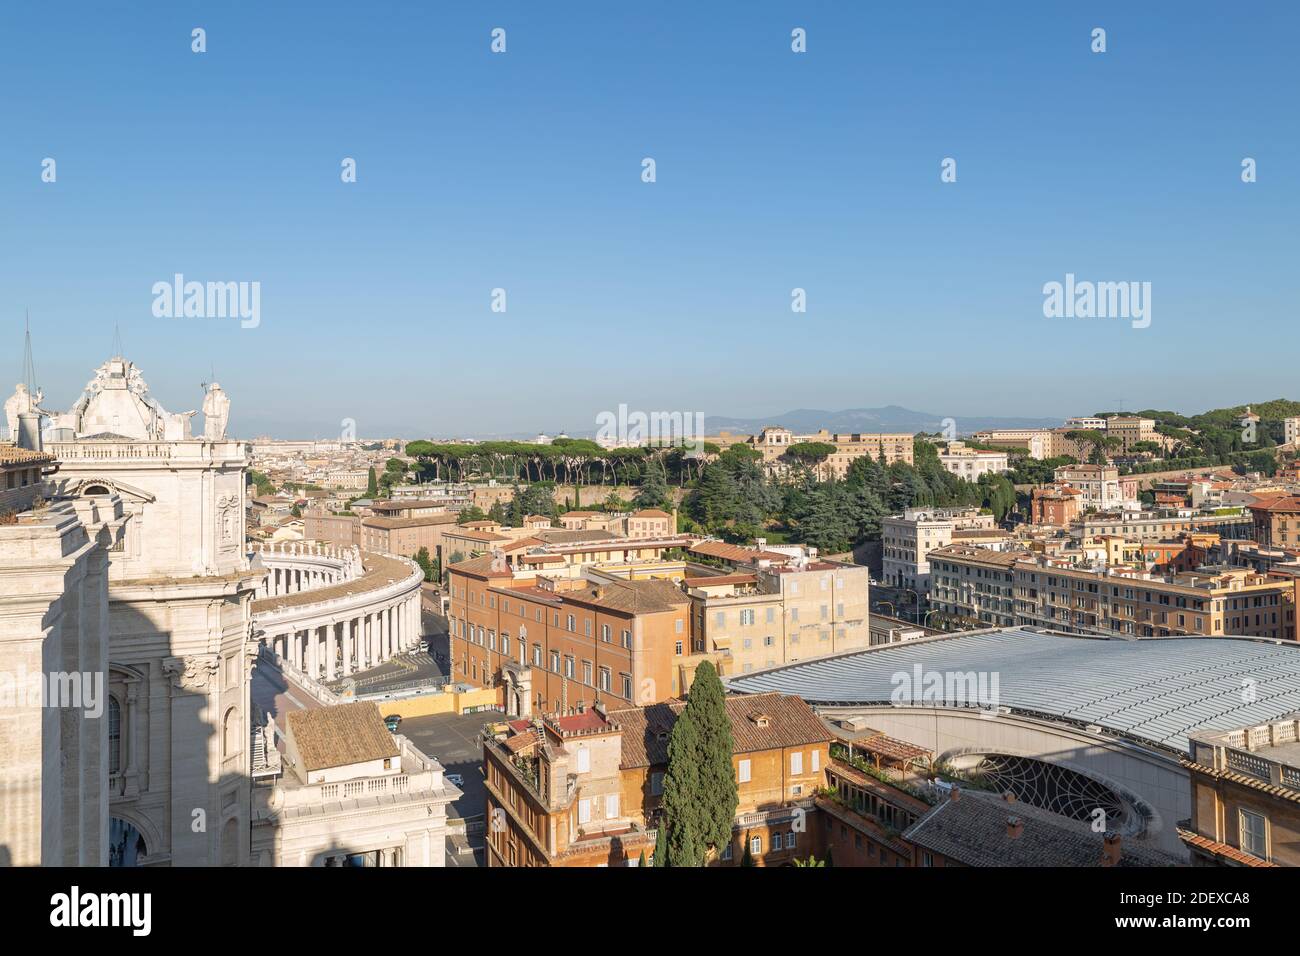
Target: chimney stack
1111	849
29	431
1015	827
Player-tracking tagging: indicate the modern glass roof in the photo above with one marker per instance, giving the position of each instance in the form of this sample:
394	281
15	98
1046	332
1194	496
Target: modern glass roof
1159	690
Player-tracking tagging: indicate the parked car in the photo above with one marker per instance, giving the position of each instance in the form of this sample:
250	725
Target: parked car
392	721
456	780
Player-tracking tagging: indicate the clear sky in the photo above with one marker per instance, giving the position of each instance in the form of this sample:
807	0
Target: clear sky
775	170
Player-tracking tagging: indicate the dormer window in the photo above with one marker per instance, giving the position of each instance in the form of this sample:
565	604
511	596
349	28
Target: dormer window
760	720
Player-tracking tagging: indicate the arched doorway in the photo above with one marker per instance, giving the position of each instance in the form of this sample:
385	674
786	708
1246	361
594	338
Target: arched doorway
126	846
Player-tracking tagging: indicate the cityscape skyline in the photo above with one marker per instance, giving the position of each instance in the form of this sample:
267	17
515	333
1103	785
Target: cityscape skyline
825	176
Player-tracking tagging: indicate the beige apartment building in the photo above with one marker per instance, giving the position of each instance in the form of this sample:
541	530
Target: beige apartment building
1130	430
406	536
772	443
1152	526
352	478
649	523
1212	602
1037	442
781	614
329	528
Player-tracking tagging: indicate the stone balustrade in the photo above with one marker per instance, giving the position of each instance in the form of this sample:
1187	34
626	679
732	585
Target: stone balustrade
296	566
195	449
419	776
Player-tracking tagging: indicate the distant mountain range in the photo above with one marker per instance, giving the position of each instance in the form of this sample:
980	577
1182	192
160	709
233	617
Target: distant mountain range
890	418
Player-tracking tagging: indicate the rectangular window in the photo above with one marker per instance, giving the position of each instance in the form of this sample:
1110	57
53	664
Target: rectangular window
816	761
796	762
776	841
743	771
1254	833
584	811
656	784
584	760
604	633
627	639
611	806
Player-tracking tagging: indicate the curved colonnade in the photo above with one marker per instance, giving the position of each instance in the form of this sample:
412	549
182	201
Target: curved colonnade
329	612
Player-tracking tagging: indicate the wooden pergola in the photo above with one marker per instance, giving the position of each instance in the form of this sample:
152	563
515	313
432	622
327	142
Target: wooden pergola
884	750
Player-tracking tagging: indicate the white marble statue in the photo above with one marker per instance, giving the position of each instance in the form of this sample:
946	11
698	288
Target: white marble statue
216	413
19	402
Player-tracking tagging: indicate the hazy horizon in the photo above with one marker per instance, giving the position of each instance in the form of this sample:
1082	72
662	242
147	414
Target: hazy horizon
775	171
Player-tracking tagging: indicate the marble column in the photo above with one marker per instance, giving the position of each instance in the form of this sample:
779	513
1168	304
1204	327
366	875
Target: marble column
313	653
327	636
348	644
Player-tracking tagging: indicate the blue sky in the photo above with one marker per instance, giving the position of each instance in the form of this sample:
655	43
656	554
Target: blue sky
774	171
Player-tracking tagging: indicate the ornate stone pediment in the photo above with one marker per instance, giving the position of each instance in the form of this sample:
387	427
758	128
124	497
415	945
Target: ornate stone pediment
92	484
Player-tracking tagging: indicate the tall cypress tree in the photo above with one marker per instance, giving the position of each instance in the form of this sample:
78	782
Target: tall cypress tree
700	797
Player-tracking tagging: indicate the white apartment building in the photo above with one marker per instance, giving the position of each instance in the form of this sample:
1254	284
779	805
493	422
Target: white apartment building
908	539
1099	484
1291	429
970	463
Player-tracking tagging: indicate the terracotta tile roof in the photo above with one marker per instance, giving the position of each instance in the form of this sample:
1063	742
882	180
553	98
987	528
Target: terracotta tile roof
735	553
520	543
13	455
720	579
484	536
337	736
790	723
1239	857
651	513
577	536
631	597
973	831
419	521
480	567
1285	503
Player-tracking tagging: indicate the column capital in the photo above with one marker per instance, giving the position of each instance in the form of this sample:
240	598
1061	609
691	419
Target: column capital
192	673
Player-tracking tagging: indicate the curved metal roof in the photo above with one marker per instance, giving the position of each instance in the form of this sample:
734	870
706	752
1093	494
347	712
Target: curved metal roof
1157	690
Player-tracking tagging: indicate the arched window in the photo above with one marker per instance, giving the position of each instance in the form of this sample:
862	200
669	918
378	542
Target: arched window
230	733
114	736
230	843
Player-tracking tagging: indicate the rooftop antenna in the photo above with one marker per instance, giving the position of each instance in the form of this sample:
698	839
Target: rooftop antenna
117	341
29	367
